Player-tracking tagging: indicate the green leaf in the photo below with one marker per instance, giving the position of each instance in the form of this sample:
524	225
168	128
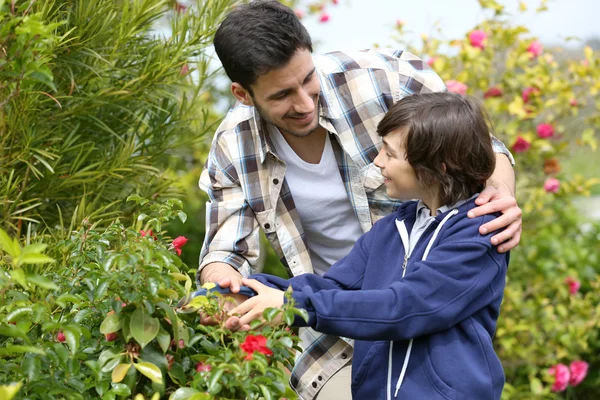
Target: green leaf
270	313
143	327
182	216
41	281
172	318
265	391
107	355
20	349
213	382
119	372
35	259
120	389
183	393
8	392
19	276
72	338
112	364
18	313
112	323
64	298
149	370
9	246
164	339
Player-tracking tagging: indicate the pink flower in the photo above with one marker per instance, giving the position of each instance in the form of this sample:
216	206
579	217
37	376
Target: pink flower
399	23
535	48
573	103
494	91
477	39
431	61
528	91
579	370
561	377
201	367
324	18
180	8
148	233
573	283
60	336
551	185
335	2
521	145
456	87
178	243
545	131
184	70
299	13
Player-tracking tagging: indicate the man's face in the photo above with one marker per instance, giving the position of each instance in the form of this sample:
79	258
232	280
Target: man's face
400	179
288	97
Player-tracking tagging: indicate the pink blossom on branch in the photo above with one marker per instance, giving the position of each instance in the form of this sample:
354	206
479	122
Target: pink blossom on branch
521	145
573	284
324	18
527	92
457	87
535	48
562	375
551	185
579	370
545	131
477	39
201	367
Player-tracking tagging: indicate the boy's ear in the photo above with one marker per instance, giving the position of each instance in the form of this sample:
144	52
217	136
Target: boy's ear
241	94
444	167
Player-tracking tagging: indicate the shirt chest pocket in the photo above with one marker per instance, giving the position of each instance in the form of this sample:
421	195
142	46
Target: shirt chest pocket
371	177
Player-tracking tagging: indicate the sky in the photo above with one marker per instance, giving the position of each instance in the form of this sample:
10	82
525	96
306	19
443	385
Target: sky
358	24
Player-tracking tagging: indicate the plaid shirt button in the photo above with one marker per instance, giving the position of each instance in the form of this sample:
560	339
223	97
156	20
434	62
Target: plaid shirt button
314	384
275	181
344	356
267	226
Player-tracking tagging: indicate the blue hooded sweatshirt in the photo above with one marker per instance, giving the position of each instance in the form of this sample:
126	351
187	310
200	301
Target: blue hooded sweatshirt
422	322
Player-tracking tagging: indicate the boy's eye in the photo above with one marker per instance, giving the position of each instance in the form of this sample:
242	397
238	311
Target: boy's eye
388	154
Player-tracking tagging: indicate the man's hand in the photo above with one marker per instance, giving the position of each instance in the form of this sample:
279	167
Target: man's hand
225	276
252	309
491	200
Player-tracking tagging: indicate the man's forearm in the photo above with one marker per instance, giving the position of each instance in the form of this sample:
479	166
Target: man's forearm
504	174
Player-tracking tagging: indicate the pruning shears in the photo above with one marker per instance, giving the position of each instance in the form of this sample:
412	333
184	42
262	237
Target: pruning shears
189	305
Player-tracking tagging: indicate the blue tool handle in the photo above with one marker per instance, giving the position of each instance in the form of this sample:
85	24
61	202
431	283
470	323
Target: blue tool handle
244	290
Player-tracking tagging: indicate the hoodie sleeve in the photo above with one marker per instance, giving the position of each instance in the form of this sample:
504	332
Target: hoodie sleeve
462	274
345	275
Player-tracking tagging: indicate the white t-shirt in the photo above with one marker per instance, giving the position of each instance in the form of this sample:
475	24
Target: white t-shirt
329	222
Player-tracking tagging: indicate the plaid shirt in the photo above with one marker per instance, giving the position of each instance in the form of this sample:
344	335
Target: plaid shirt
245	179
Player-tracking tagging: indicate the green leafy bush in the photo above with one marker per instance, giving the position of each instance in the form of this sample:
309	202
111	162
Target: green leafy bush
100	319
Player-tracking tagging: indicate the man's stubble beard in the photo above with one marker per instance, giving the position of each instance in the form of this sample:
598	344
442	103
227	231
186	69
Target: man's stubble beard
282	130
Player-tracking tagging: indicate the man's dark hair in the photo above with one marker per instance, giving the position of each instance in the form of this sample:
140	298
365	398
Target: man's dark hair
259	37
444	129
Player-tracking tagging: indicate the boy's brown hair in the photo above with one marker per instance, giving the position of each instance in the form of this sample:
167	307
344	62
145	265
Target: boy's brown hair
447	142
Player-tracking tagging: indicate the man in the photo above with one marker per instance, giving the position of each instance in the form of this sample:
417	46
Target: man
295	156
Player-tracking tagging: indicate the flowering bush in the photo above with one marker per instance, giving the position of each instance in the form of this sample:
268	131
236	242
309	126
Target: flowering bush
105	322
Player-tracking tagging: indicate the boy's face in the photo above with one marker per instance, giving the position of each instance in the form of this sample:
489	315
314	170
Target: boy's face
287	97
400	179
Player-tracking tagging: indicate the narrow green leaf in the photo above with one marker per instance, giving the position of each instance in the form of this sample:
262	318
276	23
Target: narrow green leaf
164	340
8	392
19	276
20	349
35	259
8	245
42	282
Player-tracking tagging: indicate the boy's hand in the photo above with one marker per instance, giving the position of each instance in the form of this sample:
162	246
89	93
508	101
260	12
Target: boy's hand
253	308
491	200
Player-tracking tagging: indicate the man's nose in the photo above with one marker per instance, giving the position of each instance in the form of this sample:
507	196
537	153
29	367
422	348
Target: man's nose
305	103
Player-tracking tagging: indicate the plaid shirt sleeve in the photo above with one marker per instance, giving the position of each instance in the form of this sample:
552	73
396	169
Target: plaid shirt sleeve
232	234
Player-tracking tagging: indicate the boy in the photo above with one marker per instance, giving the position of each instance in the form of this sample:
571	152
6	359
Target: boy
421	291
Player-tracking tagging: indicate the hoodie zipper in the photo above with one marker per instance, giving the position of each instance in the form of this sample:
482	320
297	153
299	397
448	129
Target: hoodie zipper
405	241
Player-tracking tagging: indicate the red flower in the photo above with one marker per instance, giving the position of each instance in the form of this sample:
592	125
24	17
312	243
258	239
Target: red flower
477	39
255	343
521	145
573	103
545	130
573	283
324	18
148	233
60	336
535	48
494	91
335	2
528	91
178	243
551	185
579	370
111	337
201	367
561	377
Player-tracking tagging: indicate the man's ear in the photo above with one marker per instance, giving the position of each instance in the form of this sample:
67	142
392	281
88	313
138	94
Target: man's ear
241	94
444	167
